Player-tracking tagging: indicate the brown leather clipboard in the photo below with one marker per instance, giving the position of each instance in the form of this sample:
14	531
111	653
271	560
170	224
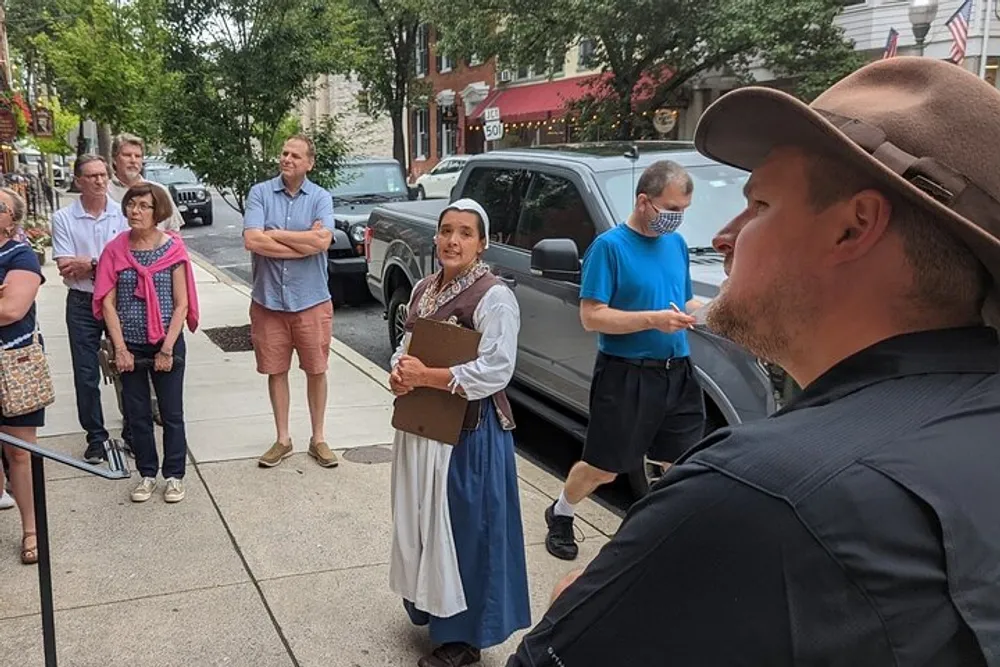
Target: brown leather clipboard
433	413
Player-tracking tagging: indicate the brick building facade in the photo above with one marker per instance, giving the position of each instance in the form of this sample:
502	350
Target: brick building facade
440	128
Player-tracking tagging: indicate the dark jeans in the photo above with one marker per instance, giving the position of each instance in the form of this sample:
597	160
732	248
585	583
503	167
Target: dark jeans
85	333
169	388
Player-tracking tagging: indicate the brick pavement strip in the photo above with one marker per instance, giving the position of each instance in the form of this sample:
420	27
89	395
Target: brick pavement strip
256	567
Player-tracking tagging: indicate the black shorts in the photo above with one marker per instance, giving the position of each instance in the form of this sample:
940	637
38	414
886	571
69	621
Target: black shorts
36	419
642	408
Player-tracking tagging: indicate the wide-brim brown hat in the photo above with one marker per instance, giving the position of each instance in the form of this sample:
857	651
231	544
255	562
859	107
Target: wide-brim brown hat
927	129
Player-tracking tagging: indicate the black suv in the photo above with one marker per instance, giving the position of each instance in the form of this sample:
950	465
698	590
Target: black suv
193	200
362	184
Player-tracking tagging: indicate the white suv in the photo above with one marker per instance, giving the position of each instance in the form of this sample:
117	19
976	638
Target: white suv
438	182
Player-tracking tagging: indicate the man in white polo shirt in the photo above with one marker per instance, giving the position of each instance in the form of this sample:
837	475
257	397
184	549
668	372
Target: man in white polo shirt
79	233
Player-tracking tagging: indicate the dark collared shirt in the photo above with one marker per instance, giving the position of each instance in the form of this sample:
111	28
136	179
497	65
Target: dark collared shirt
860	525
289	285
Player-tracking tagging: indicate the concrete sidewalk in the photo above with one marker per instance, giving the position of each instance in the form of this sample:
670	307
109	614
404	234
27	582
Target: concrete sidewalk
255	567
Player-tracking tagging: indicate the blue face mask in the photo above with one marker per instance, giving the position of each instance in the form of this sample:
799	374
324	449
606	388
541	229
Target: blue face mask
666	222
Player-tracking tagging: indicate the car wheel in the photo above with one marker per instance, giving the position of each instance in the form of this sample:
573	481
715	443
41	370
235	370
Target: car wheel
398	311
206	220
650	473
420	192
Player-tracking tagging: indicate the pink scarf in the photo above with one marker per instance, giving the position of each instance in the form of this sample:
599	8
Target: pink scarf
117	257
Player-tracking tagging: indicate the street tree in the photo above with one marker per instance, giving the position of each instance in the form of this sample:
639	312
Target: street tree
651	51
237	69
386	66
103	58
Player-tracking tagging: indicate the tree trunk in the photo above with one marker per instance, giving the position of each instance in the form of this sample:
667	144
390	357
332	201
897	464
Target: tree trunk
104	141
398	143
625	128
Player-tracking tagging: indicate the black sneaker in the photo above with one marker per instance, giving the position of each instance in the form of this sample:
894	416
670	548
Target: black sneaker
560	540
95	453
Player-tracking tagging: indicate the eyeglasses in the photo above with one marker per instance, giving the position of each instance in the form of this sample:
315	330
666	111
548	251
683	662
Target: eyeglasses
138	206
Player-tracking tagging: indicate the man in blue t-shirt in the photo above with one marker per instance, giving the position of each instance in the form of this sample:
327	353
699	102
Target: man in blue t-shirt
644	398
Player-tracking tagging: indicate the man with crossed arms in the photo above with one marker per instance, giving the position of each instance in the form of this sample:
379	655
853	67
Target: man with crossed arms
288	227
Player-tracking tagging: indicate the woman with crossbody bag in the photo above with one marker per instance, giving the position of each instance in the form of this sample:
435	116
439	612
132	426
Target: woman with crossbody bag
25	384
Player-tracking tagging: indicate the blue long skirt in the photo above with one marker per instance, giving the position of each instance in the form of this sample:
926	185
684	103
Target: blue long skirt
485	510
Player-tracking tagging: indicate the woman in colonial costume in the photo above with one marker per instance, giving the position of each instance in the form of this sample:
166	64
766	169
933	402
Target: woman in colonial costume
457	545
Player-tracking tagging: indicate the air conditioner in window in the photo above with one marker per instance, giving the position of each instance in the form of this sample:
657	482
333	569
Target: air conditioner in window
506	76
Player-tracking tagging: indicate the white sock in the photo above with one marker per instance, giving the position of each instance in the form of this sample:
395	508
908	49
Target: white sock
563	507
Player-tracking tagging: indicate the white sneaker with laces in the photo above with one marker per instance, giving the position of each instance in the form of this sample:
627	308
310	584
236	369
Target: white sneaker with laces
174	492
6	501
144	491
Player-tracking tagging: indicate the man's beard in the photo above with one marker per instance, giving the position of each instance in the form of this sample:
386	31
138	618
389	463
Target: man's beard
132	175
760	323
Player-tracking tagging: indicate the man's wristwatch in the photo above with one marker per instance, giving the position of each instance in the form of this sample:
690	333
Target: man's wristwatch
93	264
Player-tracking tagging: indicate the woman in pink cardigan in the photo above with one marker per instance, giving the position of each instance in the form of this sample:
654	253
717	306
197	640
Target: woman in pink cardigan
144	290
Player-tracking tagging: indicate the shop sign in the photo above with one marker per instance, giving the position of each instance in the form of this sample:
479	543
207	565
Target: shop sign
8	124
42	121
664	120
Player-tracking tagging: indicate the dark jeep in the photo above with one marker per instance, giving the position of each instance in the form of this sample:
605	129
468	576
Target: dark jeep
192	198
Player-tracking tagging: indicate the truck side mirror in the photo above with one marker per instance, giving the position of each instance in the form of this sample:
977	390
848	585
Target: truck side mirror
556	259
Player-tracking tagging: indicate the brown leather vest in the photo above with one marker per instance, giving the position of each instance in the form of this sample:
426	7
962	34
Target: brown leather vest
462	307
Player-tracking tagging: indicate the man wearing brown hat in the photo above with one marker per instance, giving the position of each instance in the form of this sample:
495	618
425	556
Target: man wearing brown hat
859	524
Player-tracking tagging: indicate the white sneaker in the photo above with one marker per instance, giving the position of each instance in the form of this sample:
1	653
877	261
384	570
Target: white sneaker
174	492
144	491
6	501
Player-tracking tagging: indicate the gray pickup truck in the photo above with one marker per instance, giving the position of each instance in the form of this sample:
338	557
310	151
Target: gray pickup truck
546	205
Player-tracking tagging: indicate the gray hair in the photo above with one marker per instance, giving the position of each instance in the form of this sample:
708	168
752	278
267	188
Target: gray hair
17	215
659	175
87	159
125	139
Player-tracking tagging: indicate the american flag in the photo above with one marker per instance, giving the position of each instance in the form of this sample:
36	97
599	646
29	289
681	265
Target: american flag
891	44
958	25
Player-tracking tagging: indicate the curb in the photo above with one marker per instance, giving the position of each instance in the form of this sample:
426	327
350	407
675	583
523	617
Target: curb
342	350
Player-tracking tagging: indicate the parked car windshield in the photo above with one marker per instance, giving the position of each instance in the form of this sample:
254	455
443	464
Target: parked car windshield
365	179
171	175
718	198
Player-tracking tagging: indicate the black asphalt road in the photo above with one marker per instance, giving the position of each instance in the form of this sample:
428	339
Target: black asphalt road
364	329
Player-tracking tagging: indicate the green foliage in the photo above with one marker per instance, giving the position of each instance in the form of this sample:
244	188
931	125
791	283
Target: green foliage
238	68
384	63
104	60
653	50
331	150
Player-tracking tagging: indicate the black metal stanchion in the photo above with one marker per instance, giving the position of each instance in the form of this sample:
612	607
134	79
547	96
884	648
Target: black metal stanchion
44	560
117	469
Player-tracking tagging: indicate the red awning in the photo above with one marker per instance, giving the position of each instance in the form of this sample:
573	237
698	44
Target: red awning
546	101
535	102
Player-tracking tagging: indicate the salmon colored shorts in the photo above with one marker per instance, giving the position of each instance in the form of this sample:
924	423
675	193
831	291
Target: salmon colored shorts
275	334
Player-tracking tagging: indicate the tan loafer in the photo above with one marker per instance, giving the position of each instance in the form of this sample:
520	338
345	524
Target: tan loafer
278	453
323	454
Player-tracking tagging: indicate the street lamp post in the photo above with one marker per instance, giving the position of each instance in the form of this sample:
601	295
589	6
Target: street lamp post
922	13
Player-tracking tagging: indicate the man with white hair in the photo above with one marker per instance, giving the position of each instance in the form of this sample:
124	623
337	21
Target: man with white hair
857	525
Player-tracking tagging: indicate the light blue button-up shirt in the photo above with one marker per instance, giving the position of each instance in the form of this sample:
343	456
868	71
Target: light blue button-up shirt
289	285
